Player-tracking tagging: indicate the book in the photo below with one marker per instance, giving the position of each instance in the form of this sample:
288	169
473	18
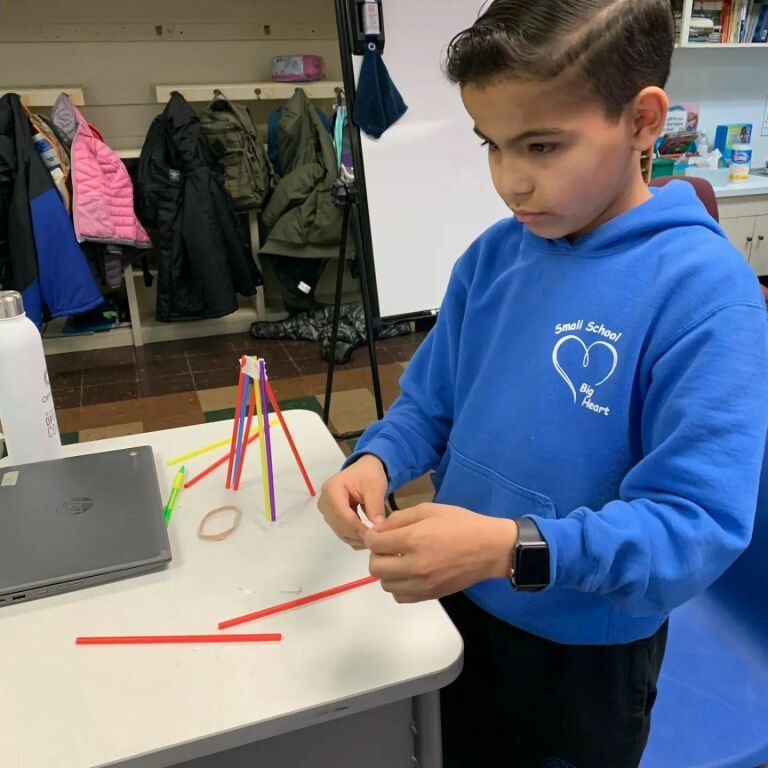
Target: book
725	22
706	21
735	20
682	117
760	34
728	135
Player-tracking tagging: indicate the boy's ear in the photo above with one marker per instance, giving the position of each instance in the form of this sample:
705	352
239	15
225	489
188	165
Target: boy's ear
648	114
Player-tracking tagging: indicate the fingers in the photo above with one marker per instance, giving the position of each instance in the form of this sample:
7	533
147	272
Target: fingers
335	506
357	544
373	505
404	591
395	542
404	517
389	567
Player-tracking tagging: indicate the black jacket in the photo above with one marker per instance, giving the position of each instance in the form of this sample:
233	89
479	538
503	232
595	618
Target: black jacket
204	260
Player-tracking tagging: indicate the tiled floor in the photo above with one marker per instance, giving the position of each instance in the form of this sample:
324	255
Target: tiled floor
123	391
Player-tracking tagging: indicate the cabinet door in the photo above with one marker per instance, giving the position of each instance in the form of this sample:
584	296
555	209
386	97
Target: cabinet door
741	232
759	258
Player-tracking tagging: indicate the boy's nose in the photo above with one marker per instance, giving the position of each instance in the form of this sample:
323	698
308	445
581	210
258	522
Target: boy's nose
515	186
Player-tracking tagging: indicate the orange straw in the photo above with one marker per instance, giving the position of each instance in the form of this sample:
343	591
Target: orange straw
302	468
238	405
197	478
297	603
251	407
175	639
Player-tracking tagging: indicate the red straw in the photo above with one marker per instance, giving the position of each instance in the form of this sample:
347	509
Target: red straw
240	385
251	408
175	639
197	478
302	468
297	603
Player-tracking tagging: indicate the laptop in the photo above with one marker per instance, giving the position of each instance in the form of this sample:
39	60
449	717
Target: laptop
77	522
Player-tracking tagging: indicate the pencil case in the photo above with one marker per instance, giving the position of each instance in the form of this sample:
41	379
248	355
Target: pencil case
304	68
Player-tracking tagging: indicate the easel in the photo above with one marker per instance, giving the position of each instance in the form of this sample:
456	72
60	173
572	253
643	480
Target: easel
345	195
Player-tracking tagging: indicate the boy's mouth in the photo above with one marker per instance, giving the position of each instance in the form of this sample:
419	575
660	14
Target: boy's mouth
527	217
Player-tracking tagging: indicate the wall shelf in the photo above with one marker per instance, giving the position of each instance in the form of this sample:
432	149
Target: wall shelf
723	45
685	31
45	97
256	91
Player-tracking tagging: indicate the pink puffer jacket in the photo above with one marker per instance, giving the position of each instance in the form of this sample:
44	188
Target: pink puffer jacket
102	205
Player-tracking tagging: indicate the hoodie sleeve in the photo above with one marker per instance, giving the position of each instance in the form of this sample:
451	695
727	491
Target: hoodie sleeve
412	437
686	511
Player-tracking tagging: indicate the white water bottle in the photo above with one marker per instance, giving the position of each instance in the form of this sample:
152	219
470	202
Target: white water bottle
27	413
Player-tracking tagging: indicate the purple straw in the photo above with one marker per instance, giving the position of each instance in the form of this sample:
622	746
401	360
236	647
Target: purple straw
266	435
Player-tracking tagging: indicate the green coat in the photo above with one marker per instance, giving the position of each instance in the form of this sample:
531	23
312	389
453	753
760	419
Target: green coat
301	217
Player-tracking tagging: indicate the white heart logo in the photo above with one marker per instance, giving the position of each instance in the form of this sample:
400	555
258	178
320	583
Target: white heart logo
566	378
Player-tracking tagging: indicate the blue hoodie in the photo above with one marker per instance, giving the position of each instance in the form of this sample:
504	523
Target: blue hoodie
613	389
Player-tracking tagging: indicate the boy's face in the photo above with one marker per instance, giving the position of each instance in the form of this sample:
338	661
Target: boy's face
558	162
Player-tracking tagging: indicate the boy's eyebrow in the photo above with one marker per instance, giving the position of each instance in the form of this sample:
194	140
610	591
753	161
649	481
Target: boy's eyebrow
532	134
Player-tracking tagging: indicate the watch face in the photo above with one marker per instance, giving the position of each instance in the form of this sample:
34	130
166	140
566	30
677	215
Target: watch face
533	567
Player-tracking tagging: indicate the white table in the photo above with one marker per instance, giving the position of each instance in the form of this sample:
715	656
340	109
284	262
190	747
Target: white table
756	185
347	669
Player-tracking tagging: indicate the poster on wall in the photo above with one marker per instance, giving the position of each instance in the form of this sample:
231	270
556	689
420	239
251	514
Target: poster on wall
682	117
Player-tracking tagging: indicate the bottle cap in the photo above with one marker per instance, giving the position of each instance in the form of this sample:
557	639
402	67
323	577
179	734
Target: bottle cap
11	305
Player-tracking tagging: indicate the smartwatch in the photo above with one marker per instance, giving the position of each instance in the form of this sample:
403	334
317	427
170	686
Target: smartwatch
530	560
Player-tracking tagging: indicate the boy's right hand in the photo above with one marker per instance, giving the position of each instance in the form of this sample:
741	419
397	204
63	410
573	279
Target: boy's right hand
363	483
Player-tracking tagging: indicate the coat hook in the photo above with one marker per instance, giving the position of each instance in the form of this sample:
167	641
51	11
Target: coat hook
257	91
217	93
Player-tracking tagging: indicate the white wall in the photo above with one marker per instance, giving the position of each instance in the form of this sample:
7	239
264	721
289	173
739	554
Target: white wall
731	86
118	50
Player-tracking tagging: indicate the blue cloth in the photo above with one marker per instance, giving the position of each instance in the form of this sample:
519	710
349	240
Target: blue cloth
378	104
64	284
612	389
709	713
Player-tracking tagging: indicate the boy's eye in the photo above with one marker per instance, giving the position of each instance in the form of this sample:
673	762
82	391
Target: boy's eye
541	148
491	146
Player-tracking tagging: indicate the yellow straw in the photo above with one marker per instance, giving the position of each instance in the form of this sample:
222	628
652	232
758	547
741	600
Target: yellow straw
201	451
263	447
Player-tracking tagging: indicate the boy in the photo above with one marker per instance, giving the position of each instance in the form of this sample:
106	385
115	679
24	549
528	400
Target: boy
591	399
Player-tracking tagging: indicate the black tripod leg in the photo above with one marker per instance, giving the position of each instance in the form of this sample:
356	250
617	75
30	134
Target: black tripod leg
336	313
368	312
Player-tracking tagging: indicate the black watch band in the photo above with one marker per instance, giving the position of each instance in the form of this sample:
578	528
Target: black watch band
530	571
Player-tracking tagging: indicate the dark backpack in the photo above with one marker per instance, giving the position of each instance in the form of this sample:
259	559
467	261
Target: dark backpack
234	139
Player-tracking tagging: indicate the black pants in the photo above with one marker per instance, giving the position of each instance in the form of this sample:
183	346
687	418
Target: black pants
525	702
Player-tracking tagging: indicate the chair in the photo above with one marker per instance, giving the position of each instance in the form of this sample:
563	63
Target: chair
712	710
706	194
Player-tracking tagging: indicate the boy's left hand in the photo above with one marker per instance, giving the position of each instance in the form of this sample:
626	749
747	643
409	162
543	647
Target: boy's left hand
434	550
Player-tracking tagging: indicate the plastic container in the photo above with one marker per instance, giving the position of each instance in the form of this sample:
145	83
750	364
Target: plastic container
717	177
26	405
301	68
741	162
371	19
662	167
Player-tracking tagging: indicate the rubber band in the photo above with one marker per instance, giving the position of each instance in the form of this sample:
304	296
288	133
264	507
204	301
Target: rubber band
201	534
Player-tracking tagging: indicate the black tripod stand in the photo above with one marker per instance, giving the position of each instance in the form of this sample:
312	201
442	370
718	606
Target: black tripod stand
346	196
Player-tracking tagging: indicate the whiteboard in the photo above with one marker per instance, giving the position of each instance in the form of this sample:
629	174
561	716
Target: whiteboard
427	179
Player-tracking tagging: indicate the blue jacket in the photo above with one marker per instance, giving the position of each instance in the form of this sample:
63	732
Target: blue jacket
614	390
47	265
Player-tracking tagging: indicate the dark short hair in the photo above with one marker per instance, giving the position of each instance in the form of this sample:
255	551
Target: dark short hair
612	48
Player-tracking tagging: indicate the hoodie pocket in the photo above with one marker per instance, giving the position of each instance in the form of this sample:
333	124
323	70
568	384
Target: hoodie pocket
463	482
